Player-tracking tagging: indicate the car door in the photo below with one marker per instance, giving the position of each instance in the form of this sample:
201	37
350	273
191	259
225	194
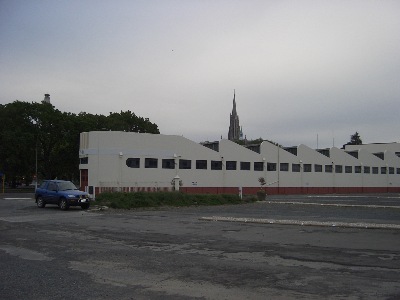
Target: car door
52	193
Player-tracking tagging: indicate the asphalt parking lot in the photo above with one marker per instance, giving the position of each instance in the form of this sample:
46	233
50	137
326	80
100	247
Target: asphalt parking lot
287	247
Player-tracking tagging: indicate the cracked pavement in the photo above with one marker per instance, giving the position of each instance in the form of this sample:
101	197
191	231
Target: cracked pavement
171	253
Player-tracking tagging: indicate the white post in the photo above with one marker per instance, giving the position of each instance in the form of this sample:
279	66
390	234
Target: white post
176	182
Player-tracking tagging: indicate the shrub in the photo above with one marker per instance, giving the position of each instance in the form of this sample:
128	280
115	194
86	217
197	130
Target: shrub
157	199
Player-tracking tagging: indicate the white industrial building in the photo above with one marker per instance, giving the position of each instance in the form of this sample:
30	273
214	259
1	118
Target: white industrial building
128	161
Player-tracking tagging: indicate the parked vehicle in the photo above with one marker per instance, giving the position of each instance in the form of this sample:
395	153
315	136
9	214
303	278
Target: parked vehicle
61	192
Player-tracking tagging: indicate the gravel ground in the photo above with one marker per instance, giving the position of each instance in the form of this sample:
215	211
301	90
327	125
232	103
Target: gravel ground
224	252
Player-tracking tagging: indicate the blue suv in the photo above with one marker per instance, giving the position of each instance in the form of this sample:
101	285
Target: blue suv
61	192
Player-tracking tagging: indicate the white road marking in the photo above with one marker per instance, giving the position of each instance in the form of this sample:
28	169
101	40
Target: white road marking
333	204
302	223
45	217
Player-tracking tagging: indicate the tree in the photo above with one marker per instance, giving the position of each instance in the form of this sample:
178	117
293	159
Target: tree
355	139
261	193
17	136
30	129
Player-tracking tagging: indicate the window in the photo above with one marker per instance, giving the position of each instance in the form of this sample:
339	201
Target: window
185	164
168	163
43	185
391	170
381	155
271	166
383	170
245	165
397	170
201	164
338	169
292	150
367	170
258	166
216	165
284	167
318	168
357	169
328	168
84	160
133	162
353	153
307	168
231	165
375	170
151	163
348	169
295	167
52	186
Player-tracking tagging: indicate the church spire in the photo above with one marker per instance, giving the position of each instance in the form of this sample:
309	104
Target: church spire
234	127
234	103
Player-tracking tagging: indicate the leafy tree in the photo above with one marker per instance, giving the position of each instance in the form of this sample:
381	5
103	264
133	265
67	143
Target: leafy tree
17	136
30	129
355	139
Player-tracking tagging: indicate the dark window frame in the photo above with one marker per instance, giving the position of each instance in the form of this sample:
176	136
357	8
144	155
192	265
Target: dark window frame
168	163
307	168
216	165
245	165
271	167
231	165
185	164
284	167
258	166
151	163
328	168
201	164
296	168
133	162
338	169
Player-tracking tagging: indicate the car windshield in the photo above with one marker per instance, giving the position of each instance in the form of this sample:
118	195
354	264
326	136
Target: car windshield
67	185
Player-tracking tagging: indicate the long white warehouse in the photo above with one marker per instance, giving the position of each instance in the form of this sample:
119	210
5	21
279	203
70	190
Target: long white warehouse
127	161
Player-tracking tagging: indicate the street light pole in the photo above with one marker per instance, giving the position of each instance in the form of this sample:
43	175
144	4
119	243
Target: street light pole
36	167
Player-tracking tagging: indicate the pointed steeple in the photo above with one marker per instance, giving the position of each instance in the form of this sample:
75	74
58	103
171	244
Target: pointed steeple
234	127
234	103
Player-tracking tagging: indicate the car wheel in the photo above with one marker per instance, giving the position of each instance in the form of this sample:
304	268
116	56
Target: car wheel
40	202
85	205
64	204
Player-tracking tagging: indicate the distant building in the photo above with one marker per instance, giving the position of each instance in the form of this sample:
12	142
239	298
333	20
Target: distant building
235	131
131	162
46	98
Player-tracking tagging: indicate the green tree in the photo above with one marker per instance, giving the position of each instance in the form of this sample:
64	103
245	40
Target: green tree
128	121
355	139
17	136
30	129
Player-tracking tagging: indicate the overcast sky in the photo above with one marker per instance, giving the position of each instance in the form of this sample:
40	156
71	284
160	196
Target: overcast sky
301	69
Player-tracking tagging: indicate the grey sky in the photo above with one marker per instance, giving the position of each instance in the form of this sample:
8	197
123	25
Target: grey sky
300	68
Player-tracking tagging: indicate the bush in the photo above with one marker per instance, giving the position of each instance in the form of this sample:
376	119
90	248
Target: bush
157	199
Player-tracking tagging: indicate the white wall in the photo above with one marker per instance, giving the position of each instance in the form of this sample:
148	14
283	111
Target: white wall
108	152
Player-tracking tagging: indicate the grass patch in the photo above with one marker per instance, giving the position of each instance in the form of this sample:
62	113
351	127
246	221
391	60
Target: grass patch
158	199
